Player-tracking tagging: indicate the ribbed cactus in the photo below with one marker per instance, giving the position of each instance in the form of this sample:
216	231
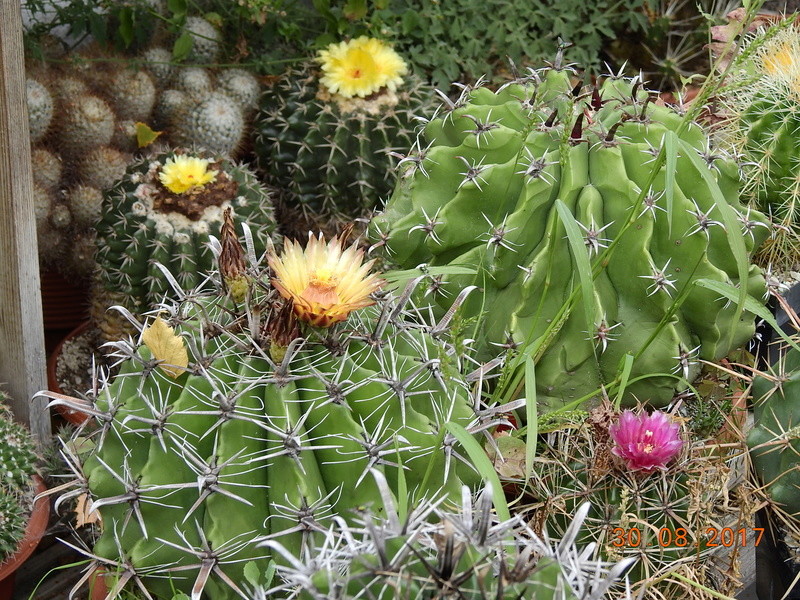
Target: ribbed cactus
333	153
498	180
774	440
671	518
158	214
17	466
760	99
234	431
437	552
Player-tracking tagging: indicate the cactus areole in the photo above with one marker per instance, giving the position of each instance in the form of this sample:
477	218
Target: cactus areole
582	251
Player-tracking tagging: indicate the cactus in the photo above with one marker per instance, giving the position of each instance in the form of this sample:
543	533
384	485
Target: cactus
40	109
760	99
195	81
205	40
670	519
158	62
285	435
463	553
483	187
774	441
331	153
85	204
17	465
46	167
102	167
215	124
87	123
242	86
132	93
144	221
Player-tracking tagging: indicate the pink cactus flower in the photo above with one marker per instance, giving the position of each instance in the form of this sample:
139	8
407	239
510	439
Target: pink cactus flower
645	442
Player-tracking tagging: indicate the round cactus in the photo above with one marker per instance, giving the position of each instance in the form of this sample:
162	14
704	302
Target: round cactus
499	181
102	167
240	85
286	434
170	107
46	167
132	93
85	203
206	40
40	109
195	81
87	122
156	213
159	63
215	124
332	152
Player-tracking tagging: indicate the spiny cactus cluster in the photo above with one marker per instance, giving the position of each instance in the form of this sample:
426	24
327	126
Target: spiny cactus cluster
234	430
17	465
148	219
438	552
499	181
669	519
330	154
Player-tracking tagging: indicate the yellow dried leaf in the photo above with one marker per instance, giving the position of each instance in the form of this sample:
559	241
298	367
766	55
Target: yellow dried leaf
167	347
84	513
145	135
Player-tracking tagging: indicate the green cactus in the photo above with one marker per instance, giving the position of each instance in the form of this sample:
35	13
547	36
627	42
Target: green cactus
491	183
440	553
760	98
249	434
143	222
331	154
40	109
774	441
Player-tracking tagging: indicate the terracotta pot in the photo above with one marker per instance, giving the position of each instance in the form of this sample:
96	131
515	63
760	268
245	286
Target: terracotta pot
98	589
37	524
69	415
64	304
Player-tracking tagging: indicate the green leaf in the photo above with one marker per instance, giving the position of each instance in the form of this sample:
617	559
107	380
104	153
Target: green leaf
145	135
269	574
177	7
180	596
126	25
355	9
395	276
97	27
484	466
623	380
531	416
252	574
183	45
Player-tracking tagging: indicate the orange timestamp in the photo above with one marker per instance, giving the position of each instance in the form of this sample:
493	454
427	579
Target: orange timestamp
679	537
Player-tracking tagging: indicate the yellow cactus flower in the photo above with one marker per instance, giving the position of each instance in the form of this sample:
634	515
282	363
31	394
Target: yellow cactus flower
780	61
325	282
361	67
181	174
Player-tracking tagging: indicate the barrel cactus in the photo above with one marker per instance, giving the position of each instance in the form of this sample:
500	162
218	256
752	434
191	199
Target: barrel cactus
232	425
164	210
327	137
499	179
760	103
774	440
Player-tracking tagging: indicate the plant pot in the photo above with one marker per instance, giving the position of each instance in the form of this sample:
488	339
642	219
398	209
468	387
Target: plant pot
69	415
65	305
37	524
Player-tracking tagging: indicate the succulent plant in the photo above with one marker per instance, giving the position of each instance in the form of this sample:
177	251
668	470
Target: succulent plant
436	552
206	40
673	518
232	430
40	109
87	122
215	124
18	461
774	440
164	210
328	142
499	179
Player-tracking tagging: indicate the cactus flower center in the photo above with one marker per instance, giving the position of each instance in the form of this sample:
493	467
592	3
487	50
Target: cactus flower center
645	442
325	282
361	67
181	174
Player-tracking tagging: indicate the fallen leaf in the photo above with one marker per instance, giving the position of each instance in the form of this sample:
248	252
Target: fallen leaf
145	136
509	458
167	347
84	512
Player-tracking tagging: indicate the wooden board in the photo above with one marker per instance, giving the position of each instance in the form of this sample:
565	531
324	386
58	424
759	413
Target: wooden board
22	356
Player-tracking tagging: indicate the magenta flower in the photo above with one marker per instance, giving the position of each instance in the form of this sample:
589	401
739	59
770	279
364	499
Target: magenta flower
645	442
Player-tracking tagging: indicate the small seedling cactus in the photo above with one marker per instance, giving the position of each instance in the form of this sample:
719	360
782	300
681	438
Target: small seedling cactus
585	250
232	426
328	138
163	211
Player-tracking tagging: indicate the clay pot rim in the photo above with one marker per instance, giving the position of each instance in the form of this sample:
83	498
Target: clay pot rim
69	415
34	530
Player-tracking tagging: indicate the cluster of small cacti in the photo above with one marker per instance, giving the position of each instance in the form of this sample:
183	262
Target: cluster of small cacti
438	552
330	144
163	211
500	182
17	465
762	123
232	432
670	516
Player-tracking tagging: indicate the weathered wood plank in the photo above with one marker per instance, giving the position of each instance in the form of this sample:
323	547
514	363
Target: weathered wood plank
22	357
